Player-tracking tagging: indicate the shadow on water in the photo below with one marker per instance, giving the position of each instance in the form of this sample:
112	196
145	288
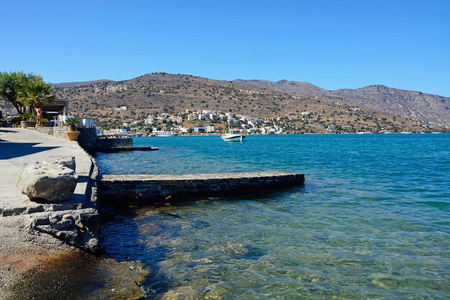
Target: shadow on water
12	150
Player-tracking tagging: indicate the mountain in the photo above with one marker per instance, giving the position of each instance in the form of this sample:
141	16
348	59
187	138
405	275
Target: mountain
427	107
286	86
295	106
418	105
79	83
302	107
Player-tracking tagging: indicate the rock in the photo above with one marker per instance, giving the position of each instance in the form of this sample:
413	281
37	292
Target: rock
51	182
63	160
241	251
184	292
54	218
235	248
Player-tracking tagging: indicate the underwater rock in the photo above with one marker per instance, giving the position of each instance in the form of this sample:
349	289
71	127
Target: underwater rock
182	293
240	251
235	248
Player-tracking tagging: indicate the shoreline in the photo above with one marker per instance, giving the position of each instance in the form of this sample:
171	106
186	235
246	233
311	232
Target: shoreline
37	262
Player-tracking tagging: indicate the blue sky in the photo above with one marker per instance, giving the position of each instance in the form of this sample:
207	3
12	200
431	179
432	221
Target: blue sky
332	44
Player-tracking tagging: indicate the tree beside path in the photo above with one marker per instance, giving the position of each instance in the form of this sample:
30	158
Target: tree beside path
26	92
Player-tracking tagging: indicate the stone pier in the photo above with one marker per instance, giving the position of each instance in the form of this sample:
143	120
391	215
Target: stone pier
155	188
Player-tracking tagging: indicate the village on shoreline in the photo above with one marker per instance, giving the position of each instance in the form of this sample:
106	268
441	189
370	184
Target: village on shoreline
207	122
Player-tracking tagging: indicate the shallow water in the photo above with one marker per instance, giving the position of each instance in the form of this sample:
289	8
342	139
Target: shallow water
373	220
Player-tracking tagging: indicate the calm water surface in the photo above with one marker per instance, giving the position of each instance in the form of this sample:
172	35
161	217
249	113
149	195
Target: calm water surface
373	220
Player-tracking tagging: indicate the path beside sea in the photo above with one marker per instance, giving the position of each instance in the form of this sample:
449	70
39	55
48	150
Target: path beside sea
36	264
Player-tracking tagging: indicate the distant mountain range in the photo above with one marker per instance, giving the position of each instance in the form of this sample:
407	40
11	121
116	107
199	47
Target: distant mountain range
425	107
418	105
304	107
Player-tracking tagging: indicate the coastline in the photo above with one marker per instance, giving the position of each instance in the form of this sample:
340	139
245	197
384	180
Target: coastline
33	262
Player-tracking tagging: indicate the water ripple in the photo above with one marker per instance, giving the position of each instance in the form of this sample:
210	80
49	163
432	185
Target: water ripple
371	222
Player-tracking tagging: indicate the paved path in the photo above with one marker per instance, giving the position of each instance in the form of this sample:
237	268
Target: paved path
19	146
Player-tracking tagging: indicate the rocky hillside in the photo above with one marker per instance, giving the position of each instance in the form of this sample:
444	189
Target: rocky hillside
425	107
298	107
175	93
80	83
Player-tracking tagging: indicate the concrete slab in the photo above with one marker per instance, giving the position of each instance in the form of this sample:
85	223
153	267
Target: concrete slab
147	188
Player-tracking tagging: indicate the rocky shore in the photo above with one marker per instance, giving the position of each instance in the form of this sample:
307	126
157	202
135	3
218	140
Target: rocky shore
41	240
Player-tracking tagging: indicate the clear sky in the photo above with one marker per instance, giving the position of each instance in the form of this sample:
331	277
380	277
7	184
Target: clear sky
332	44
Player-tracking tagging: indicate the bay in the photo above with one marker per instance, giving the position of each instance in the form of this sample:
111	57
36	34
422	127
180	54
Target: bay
372	221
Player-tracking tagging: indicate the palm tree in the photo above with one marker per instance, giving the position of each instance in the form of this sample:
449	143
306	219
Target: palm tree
35	93
11	84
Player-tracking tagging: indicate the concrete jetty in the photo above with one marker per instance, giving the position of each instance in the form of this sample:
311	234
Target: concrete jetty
152	188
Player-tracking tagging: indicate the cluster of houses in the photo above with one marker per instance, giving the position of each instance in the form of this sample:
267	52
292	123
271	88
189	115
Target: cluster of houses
203	121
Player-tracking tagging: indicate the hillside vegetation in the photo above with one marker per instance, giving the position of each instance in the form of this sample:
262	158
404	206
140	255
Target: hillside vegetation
284	100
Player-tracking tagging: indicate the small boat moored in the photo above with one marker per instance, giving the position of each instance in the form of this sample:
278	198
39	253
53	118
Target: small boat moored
165	133
233	136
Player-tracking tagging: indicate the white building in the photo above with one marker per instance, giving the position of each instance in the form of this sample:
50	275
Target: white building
210	128
114	131
164	116
88	123
150	120
192	117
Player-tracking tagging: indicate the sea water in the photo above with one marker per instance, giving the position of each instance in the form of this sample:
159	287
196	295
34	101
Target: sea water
371	222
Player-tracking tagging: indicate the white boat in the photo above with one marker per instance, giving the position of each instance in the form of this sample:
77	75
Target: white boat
233	136
165	133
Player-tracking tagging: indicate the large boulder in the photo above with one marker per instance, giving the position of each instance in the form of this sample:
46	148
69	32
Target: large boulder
52	182
63	160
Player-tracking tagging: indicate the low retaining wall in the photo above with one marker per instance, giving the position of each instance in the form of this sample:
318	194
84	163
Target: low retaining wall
59	132
153	188
89	141
114	143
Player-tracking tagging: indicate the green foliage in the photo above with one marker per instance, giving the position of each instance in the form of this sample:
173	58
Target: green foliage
10	84
35	93
24	90
27	116
72	122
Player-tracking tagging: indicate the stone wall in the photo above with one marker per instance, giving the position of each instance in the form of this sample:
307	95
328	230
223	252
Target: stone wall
75	221
114	143
59	132
88	139
153	188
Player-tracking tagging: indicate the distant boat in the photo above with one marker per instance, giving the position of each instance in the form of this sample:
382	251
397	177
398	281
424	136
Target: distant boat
233	136
165	133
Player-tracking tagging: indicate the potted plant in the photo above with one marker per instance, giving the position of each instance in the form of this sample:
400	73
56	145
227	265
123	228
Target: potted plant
72	134
28	120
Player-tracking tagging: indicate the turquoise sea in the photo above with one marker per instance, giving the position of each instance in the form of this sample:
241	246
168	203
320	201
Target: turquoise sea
371	222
